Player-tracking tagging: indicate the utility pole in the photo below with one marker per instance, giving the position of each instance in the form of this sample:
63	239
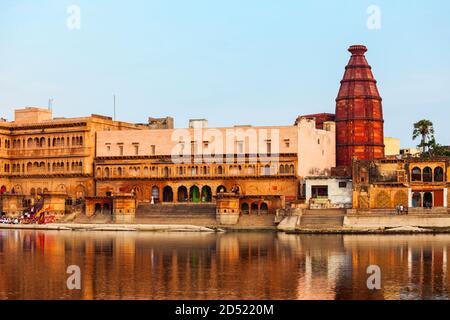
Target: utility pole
114	118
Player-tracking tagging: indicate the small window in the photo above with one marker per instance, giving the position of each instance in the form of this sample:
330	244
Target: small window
287	142
121	150
240	145
136	149
153	150
342	184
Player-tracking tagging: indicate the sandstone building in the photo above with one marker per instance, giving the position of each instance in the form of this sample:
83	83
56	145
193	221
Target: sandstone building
41	154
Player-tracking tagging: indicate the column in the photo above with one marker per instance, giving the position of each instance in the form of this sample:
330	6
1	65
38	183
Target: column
445	197
410	198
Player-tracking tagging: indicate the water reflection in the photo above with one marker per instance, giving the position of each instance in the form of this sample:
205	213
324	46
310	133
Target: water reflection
221	266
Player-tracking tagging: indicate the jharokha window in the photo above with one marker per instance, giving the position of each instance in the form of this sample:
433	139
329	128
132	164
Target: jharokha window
438	174
427	174
416	174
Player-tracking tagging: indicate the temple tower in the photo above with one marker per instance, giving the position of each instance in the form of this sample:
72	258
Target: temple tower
359	114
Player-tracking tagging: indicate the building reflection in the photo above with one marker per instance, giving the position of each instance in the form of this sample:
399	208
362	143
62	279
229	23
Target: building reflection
221	266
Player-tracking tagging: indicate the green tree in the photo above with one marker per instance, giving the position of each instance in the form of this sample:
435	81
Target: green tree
425	130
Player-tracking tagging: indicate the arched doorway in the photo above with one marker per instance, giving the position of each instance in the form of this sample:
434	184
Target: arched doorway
106	209
417	200
428	200
183	194
98	208
254	208
245	209
264	208
206	194
155	193
167	194
194	194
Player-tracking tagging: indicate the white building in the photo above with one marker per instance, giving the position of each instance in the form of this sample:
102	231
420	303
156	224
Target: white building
328	192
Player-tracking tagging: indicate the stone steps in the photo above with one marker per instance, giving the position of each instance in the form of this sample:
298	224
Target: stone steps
325	212
196	221
175	209
321	222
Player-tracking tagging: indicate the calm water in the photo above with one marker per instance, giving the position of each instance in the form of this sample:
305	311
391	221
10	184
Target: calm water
221	266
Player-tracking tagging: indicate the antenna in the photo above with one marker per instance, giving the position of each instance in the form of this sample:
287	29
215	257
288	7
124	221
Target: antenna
50	103
114	118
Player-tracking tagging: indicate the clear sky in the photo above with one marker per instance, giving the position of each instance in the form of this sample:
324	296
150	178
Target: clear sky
254	62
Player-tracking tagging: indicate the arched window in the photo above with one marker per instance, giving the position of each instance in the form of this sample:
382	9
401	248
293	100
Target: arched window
166	172
438	174
282	169
254	208
427	174
416	174
107	172
119	171
221	189
220	170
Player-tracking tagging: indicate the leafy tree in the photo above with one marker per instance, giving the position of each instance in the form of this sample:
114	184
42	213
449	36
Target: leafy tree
425	130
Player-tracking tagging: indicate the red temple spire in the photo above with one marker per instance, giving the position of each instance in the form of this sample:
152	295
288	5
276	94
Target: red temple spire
359	114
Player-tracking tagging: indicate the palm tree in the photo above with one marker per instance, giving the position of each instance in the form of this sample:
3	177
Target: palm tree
424	129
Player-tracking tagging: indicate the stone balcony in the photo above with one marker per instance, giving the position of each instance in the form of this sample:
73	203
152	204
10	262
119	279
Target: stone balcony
49	152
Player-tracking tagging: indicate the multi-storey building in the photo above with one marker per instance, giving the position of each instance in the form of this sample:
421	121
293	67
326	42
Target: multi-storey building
195	164
39	153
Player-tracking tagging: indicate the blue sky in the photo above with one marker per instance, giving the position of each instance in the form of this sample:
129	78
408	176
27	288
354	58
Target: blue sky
254	62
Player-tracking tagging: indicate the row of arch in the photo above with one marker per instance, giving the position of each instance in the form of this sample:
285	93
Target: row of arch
183	194
168	171
45	167
42	142
254	208
427	174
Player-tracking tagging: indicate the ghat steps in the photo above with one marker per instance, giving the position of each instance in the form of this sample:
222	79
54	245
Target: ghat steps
322	219
194	214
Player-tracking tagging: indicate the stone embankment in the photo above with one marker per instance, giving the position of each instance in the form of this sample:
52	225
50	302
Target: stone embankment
321	221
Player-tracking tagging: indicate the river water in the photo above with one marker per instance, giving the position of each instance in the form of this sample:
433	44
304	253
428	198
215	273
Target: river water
127	265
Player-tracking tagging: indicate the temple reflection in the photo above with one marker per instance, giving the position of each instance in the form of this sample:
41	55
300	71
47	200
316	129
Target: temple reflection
221	266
